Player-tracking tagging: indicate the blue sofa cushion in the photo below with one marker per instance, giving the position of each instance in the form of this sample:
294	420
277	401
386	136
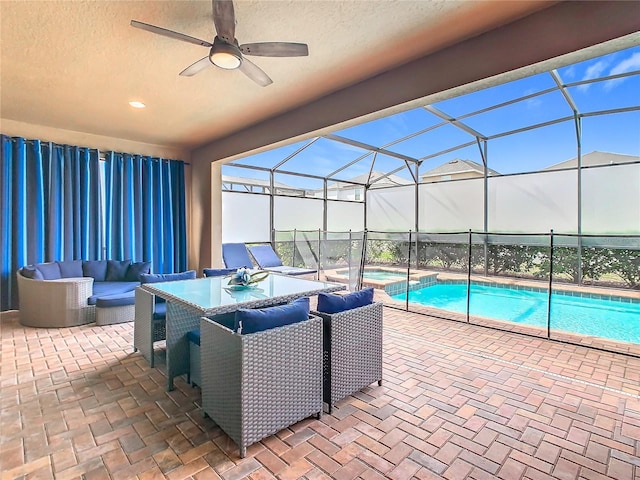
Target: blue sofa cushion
96	269
259	319
102	289
167	277
194	336
135	269
49	271
332	303
218	272
160	311
30	271
71	268
118	300
117	270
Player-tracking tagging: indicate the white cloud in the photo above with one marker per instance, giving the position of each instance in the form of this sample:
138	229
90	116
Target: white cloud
593	71
626	65
569	73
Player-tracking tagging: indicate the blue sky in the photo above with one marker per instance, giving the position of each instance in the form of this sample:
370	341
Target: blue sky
522	152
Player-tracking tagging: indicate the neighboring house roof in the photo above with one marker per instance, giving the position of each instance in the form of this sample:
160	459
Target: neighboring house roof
458	166
594	158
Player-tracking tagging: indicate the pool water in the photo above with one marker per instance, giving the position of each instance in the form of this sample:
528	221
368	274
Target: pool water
588	316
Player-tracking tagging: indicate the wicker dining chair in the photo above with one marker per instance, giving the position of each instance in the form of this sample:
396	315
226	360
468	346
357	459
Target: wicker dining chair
352	351
256	384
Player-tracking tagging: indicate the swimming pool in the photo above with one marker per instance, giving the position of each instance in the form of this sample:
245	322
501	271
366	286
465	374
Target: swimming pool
598	317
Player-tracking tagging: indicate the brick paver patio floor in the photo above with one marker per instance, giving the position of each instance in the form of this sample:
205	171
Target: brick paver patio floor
457	402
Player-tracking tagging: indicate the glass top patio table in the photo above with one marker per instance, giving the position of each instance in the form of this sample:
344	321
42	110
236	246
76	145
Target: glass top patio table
214	295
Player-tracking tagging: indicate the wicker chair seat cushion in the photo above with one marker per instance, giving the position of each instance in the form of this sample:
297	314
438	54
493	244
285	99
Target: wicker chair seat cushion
260	319
332	303
194	336
118	300
160	311
103	289
218	272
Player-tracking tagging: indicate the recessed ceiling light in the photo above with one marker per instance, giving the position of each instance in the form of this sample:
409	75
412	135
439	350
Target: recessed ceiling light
137	104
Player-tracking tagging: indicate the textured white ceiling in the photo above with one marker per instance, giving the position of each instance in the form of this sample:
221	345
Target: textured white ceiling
74	65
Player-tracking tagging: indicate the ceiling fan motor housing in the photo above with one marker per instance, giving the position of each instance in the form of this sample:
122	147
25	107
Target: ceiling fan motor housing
225	55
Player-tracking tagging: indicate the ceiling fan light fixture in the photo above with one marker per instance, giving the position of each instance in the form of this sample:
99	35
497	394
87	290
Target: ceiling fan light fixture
225	56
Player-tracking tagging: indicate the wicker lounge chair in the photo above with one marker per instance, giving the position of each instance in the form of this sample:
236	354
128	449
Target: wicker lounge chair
268	259
255	385
352	351
235	255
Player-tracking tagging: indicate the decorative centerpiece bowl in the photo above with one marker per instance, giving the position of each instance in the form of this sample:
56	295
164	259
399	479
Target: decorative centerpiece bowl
243	278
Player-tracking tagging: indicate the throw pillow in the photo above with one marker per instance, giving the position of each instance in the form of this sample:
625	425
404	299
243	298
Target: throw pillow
96	269
260	319
135	269
30	271
70	268
332	303
49	271
117	270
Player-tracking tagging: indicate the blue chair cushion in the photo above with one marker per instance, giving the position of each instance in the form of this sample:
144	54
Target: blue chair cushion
259	319
332	303
194	336
135	269
103	289
117	270
49	271
167	277
71	268
265	256
160	311
96	269
218	272
30	271
235	255
118	300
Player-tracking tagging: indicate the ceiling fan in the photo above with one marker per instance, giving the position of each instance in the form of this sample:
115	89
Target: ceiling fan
225	51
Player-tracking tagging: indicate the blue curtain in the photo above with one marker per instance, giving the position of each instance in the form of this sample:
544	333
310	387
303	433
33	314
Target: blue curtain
50	204
145	211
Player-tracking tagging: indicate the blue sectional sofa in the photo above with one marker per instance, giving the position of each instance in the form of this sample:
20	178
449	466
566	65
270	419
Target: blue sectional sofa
64	294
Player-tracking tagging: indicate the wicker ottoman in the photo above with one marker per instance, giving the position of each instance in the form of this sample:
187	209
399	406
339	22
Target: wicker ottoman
117	308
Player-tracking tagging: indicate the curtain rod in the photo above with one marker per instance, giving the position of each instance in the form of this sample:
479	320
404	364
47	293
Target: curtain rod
100	157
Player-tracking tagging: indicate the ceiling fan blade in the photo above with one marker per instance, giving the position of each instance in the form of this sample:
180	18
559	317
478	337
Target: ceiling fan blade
169	33
255	73
275	49
196	67
224	19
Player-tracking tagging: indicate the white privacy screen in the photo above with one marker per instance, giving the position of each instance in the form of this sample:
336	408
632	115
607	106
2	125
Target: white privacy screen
391	209
343	216
534	203
245	218
451	206
297	213
611	199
